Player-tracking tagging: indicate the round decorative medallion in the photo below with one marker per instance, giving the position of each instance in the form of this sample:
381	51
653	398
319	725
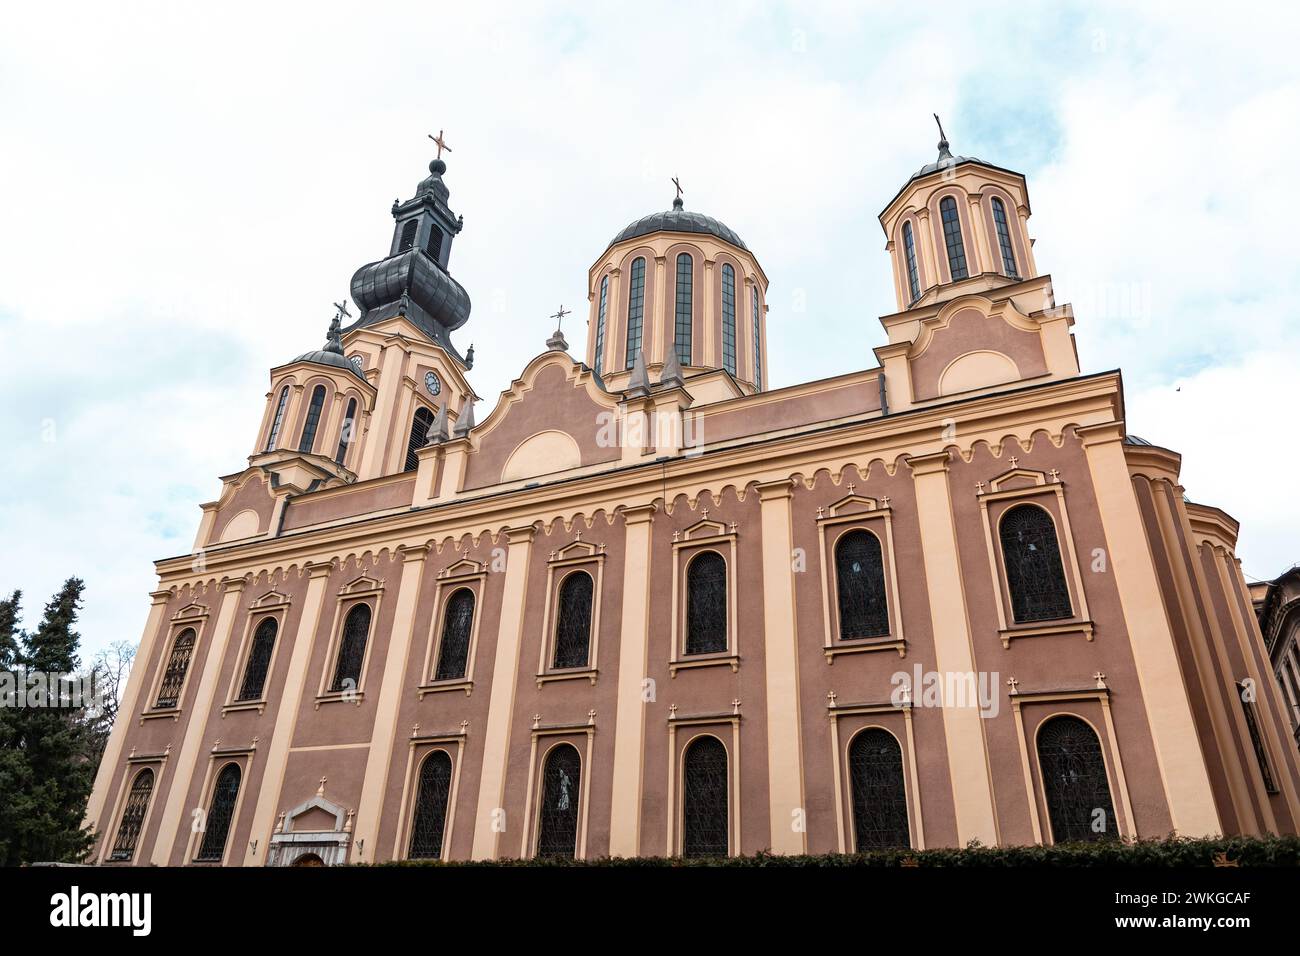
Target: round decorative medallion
432	383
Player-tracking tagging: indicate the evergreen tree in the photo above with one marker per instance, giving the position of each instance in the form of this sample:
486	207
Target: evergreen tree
13	776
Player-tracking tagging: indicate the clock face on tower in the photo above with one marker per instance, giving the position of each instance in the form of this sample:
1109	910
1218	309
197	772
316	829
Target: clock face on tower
432	383
359	364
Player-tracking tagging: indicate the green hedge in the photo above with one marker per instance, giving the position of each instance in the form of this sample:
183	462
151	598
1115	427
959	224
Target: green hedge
1170	852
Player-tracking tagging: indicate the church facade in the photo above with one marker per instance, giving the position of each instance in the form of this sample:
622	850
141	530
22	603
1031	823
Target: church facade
652	605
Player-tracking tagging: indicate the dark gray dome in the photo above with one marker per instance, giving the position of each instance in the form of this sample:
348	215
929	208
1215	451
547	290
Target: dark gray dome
414	274
333	359
944	162
678	219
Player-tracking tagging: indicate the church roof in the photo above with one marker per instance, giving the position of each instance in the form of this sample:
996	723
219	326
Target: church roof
678	219
332	353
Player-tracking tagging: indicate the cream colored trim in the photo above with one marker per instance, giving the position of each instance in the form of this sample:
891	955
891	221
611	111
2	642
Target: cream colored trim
592	563
411	791
191	617
536	781
840	774
676	774
218	760
363	590
134	767
277	609
839	525
694	541
450	580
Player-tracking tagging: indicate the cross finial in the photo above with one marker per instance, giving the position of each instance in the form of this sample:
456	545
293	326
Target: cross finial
559	316
735	705
440	143
1012	682
1100	678
979	487
1014	461
830	698
320	791
679	187
1056	475
937	122
342	310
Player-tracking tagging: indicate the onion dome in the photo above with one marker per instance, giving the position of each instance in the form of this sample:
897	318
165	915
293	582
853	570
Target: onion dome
332	353
678	219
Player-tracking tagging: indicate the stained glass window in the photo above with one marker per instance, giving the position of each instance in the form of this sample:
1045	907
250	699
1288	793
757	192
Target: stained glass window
879	796
729	319
1256	740
573	621
408	234
1035	577
860	578
557	817
137	804
705	789
178	664
279	418
952	238
308	439
635	310
220	814
352	649
600	324
431	807
345	434
1004	238
909	253
458	621
1074	779
259	660
706	604
421	422
758	345
682	328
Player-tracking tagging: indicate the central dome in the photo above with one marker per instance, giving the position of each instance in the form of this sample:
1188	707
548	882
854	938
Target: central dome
678	219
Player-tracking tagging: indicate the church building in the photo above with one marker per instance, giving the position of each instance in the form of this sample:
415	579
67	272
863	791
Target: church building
655	605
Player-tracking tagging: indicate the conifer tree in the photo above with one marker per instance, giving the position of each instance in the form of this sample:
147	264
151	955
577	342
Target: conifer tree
13	764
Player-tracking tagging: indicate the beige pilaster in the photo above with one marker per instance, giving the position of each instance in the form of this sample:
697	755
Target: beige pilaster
1173	731
489	821
926	247
987	263
630	715
379	760
968	764
286	713
196	725
381	420
660	321
784	747
607	363
711	355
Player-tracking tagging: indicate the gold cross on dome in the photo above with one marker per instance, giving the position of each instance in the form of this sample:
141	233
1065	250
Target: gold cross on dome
441	143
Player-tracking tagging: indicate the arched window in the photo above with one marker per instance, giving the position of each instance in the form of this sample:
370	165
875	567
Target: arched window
1035	577
313	419
879	797
431	802
279	418
220	814
259	660
457	625
137	804
952	237
600	324
352	649
557	817
433	245
635	310
860	580
345	434
909	253
573	621
178	664
685	312
706	604
421	422
1074	780
729	318
408	234
1004	238
705	788
758	346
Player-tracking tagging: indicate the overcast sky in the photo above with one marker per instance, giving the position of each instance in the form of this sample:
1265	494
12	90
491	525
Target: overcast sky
185	188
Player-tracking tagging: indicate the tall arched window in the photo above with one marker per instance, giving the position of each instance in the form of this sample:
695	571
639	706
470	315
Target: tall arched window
600	324
137	805
220	814
178	664
952	237
909	253
278	421
705	790
685	312
431	802
457	625
259	660
345	434
421	422
557	817
408	234
879	796
729	318
352	649
573	621
706	604
1035	577
758	345
635	310
860	580
308	439
1074	780
1004	238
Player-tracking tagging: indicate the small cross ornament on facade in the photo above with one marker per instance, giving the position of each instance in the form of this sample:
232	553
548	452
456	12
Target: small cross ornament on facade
415	731
677	536
1056	475
830	698
672	711
1012	683
885	501
577	535
1014	461
821	512
733	527
537	720
851	486
440	142
1100	678
591	717
735	706
705	513
463	725
320	791
979	487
